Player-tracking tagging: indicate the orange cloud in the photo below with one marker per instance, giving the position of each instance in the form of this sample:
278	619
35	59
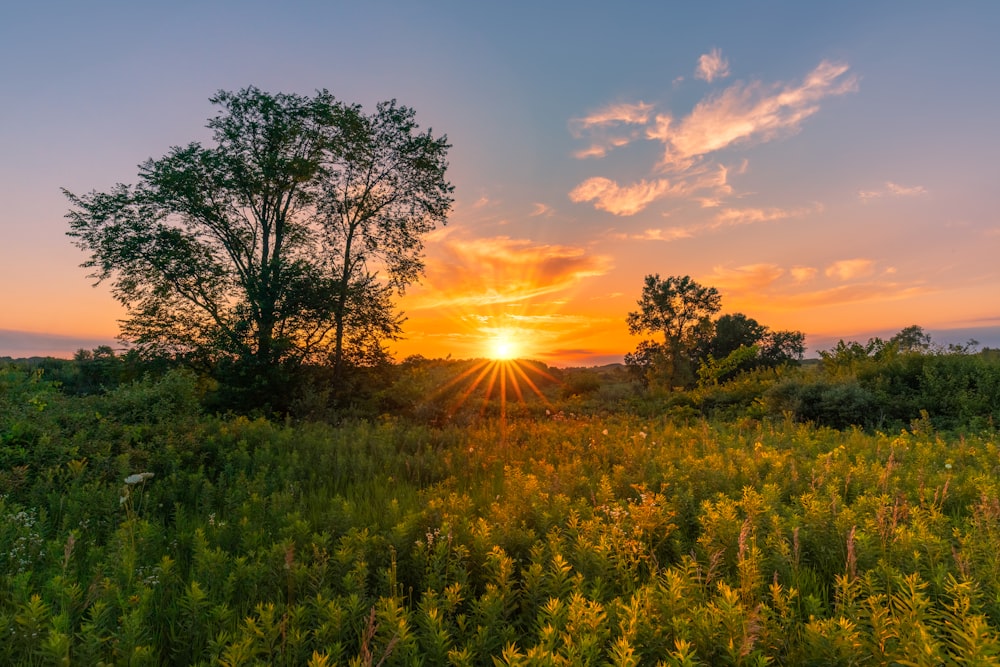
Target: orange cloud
751	277
502	270
802	274
765	285
849	269
619	200
712	66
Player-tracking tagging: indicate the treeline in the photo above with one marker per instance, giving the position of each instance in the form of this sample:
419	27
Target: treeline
877	385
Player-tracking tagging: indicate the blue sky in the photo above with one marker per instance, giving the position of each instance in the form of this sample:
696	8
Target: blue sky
829	167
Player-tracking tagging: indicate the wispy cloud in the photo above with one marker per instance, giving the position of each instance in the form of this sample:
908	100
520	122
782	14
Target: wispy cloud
754	277
742	114
712	66
849	269
636	113
847	281
610	127
892	190
541	210
727	217
746	113
801	274
502	270
619	200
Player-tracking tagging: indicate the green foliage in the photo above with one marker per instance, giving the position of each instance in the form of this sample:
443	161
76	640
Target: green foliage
136	529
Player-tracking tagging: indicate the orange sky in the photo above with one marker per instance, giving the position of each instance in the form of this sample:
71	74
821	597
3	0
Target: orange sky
830	169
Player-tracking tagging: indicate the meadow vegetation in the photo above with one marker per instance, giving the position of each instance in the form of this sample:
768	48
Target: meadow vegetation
844	512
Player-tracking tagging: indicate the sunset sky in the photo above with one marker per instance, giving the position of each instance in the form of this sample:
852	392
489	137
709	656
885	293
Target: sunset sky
829	167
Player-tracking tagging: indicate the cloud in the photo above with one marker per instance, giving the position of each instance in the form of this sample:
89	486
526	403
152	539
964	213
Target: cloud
636	113
609	127
668	234
619	200
712	66
742	114
541	210
849	269
502	270
801	274
753	277
728	217
745	113
782	288
852	293
892	190
747	216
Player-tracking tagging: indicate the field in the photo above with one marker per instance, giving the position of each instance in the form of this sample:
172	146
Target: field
136	530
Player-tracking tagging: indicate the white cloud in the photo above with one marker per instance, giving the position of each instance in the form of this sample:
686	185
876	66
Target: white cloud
712	66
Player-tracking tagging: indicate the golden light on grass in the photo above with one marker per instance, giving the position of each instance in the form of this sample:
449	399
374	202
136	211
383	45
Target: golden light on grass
498	380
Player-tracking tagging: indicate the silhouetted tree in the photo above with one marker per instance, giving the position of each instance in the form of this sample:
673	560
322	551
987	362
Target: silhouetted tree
282	243
681	311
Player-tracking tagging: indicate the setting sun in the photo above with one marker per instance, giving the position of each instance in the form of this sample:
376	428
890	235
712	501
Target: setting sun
503	348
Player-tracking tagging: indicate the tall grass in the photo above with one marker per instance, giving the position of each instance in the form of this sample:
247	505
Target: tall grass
536	539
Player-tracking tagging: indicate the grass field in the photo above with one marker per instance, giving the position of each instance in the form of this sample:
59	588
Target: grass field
134	530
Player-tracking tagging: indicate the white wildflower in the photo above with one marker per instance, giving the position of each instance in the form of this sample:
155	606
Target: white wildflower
138	478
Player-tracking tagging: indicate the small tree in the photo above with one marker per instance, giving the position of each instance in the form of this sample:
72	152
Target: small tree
283	243
681	310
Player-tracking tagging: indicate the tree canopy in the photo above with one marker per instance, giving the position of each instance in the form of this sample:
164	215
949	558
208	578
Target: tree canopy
283	242
681	311
695	345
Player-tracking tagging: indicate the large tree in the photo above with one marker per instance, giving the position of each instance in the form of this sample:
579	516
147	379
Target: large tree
680	310
283	242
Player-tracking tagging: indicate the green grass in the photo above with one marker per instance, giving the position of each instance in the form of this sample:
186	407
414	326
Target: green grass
547	539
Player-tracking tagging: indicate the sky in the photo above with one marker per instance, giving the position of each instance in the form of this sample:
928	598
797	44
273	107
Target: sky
828	167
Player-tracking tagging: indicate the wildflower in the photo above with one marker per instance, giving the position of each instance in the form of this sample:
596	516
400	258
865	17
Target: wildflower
642	434
947	466
138	478
604	432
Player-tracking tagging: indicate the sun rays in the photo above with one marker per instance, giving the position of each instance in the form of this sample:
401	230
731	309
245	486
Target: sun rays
500	381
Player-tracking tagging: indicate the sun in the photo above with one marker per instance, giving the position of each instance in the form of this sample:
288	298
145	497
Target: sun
503	348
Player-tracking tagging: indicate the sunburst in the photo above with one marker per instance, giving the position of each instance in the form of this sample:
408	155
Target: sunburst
503	347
